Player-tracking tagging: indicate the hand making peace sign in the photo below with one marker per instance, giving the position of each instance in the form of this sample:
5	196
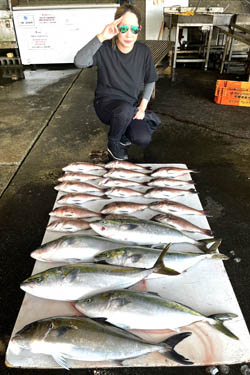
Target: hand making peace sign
110	30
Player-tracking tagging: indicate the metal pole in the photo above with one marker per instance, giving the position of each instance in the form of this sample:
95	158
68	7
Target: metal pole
208	47
175	46
224	54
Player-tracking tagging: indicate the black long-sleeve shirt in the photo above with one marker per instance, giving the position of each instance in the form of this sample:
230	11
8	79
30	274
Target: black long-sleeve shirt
120	75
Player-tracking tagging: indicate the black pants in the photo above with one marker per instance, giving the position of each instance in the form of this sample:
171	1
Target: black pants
119	116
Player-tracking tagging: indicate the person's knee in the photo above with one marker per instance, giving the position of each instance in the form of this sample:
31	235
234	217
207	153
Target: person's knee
124	111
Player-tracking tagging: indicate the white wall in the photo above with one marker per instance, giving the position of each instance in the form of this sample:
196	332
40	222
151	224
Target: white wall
154	16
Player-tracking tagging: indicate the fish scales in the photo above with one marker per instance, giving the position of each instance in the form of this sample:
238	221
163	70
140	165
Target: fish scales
84	167
144	257
168	206
72	282
180	224
84	339
78	199
78	187
167	192
73	212
74	248
142	232
126	165
80	177
130	310
113	182
123	207
68	225
164	182
171	172
122	192
125	173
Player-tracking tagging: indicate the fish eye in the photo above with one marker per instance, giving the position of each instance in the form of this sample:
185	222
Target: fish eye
88	300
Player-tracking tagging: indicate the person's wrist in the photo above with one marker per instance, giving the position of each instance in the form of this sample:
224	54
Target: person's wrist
142	109
100	37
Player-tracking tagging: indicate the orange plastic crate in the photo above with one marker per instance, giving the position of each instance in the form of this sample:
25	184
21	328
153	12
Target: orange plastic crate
234	85
232	93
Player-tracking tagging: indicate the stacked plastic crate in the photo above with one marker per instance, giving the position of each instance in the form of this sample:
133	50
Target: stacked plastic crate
232	93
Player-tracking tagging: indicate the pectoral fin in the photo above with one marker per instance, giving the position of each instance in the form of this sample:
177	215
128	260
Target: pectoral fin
61	360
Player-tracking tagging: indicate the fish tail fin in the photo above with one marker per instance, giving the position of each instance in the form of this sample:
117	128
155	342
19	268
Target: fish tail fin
209	245
206	213
170	344
220	256
207	232
159	266
219	320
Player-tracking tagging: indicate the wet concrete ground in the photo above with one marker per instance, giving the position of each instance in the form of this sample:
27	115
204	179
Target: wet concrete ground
47	121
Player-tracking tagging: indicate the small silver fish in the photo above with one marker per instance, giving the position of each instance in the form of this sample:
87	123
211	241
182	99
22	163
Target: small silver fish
125	173
123	207
77	338
68	225
113	182
168	206
78	199
84	167
80	177
181	224
127	165
164	182
73	212
167	192
130	309
122	192
78	187
171	172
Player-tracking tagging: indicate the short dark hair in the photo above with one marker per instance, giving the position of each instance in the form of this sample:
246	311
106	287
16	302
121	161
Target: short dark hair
128	8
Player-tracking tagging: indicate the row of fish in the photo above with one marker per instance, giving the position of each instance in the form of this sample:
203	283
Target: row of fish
123	192
73	219
98	290
133	170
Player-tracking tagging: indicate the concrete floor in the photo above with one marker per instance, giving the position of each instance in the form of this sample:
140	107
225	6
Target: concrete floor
48	121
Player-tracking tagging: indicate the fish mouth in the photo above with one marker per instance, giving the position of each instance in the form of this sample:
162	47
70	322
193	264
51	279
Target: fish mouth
15	344
26	285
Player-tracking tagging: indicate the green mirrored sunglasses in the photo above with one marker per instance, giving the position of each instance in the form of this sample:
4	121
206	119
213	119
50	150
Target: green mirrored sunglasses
125	28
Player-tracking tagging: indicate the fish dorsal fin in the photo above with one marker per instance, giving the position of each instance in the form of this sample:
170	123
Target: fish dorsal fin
154	294
61	360
100	319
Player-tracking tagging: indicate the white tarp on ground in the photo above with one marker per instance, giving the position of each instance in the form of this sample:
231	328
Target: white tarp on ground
206	288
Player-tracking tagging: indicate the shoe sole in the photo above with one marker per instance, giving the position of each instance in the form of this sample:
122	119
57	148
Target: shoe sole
113	156
126	144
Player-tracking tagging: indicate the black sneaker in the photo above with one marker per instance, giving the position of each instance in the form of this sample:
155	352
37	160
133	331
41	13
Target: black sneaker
117	151
125	141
